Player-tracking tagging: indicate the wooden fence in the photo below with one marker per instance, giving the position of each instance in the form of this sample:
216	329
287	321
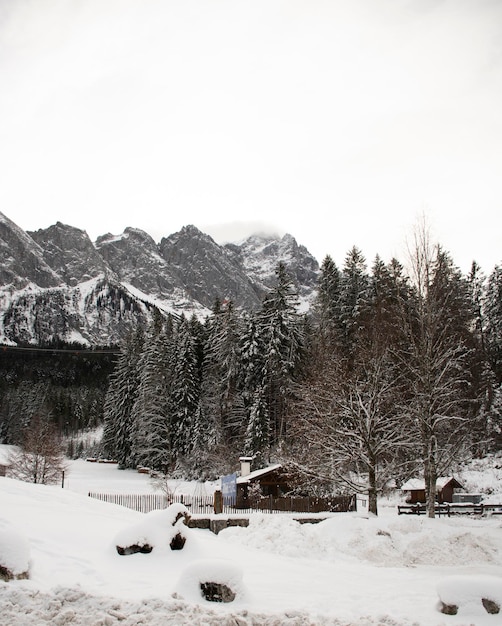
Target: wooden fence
204	505
451	509
146	502
293	504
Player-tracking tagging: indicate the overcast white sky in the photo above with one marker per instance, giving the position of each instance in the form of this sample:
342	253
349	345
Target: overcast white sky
340	122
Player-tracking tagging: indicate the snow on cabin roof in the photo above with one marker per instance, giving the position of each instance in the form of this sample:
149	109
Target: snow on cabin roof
257	473
415	484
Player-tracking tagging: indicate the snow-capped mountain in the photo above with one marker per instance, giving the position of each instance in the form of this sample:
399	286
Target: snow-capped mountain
55	283
259	255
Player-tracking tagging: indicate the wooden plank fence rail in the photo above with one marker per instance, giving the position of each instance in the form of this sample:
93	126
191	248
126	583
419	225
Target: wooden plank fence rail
292	504
448	509
144	503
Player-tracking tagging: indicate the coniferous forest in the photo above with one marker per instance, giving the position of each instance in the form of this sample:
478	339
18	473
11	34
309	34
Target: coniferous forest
391	374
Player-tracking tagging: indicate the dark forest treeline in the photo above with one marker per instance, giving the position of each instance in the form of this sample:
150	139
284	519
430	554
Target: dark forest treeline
65	382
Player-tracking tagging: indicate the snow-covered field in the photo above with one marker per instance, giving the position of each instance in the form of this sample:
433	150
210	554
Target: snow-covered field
347	570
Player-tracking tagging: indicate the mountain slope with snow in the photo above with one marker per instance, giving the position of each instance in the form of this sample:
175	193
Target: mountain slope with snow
55	284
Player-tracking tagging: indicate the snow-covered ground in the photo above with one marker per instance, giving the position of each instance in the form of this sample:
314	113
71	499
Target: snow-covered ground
346	570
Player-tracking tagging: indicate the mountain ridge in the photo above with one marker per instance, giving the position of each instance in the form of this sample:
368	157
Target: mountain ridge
56	284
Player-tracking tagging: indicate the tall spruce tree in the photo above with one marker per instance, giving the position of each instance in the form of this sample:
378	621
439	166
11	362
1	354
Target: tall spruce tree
257	440
354	298
118	432
221	371
252	358
327	304
186	389
493	318
483	379
152	428
282	330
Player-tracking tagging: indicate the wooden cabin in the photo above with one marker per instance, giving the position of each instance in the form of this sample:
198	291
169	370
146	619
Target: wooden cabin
446	486
272	481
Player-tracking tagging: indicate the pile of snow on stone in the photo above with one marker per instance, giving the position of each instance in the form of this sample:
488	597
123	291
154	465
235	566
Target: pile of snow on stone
212	580
470	595
14	554
161	530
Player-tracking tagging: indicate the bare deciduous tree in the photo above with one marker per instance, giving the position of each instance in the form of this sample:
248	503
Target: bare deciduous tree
348	426
39	459
435	360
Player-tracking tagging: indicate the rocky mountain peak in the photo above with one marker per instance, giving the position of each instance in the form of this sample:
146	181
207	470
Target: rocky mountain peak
261	254
207	270
21	259
70	253
134	257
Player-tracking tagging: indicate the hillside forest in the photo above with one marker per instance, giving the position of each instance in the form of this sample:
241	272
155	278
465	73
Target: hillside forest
390	374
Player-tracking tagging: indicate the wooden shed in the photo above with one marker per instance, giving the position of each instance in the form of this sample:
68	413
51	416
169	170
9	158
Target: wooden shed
446	486
272	481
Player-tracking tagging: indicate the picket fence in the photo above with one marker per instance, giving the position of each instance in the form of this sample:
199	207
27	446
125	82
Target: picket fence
146	502
204	505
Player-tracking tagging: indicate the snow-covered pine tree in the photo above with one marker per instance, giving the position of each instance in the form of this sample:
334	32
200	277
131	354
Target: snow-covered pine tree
257	441
253	358
282	328
354	297
152	440
221	372
493	317
483	379
327	305
122	392
185	390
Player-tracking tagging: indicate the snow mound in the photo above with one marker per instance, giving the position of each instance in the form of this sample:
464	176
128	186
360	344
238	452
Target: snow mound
402	541
25	607
199	575
470	594
14	554
158	530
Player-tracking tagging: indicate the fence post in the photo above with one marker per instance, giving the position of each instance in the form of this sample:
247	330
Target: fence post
218	502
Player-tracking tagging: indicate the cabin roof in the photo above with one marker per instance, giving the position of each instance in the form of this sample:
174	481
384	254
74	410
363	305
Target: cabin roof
418	484
258	473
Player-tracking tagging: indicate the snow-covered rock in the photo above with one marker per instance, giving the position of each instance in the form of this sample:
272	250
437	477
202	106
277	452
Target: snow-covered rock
158	530
212	580
470	595
14	555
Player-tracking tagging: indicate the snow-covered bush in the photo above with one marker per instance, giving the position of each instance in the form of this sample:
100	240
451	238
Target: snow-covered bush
14	555
158	529
470	594
213	580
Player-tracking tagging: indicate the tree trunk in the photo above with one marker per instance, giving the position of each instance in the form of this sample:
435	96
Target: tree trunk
432	479
372	491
